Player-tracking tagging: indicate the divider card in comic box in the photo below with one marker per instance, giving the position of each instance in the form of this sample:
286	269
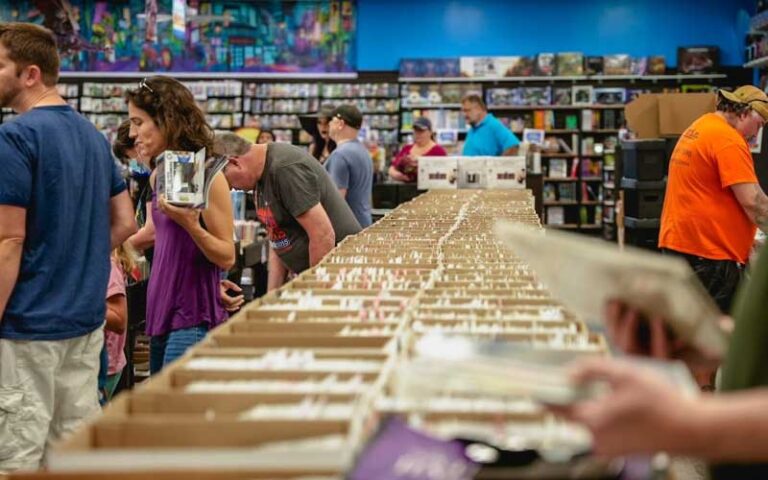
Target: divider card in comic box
473	172
505	172
437	172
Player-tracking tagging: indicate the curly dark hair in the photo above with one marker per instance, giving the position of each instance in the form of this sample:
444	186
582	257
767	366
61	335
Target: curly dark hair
729	106
123	141
172	107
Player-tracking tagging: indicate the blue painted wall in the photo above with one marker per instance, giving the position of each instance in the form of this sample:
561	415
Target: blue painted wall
389	30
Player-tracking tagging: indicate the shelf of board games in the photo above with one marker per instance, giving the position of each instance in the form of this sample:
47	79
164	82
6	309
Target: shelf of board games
610	192
590	106
761	62
759	21
567	78
583	166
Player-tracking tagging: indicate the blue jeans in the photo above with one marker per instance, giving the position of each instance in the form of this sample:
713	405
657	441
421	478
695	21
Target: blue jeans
163	349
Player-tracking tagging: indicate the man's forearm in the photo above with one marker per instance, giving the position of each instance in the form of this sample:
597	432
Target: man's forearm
10	262
510	152
759	211
122	222
276	271
320	246
733	427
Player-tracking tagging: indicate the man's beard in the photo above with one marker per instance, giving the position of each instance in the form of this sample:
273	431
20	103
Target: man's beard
8	95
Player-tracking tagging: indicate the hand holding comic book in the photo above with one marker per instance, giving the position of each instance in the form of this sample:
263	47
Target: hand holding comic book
634	333
187	218
587	274
184	178
463	366
624	420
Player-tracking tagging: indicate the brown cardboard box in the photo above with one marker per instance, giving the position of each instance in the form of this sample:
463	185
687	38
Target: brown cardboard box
299	341
150	444
182	378
175	475
326	329
232	403
667	114
337	353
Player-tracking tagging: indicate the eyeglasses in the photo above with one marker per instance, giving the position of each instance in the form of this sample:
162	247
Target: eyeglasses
143	84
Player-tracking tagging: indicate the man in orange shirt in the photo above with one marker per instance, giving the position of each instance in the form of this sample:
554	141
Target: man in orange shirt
713	202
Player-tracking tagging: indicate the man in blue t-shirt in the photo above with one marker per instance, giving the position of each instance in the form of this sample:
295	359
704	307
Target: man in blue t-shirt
487	136
350	165
63	206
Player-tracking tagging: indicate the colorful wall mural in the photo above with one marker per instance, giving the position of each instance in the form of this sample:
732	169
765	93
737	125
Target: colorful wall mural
304	36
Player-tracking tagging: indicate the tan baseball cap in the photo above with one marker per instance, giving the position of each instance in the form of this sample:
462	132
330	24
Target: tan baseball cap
751	95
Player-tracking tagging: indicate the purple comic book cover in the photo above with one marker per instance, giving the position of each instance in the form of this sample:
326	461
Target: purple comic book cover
398	452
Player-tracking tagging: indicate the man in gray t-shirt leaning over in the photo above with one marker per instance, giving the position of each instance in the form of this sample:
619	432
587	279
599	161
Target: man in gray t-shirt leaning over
350	165
296	200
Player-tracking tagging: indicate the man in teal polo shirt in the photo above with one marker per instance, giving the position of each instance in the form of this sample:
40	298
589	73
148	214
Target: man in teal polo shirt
487	136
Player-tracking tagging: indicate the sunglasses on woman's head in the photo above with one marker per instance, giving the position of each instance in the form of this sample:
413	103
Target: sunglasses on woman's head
143	84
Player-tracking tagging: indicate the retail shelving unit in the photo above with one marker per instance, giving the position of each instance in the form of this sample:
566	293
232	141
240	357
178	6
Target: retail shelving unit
576	193
276	106
390	104
379	102
757	58
440	102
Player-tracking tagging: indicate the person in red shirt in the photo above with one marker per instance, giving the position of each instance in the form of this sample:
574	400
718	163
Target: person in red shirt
405	166
713	202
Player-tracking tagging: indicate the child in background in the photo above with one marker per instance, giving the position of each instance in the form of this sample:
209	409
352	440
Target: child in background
117	316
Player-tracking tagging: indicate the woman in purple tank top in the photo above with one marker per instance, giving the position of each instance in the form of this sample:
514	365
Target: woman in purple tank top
192	248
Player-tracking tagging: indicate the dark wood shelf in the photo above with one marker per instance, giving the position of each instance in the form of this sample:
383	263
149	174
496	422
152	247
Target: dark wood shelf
362	97
591	179
561	179
434	106
562	130
558	155
559	203
282	97
554	131
556	107
564	78
564	226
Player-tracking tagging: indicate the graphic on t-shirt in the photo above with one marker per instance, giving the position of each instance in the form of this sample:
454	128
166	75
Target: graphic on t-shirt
277	236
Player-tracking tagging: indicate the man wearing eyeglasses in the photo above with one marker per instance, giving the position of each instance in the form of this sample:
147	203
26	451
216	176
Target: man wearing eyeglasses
296	200
713	202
